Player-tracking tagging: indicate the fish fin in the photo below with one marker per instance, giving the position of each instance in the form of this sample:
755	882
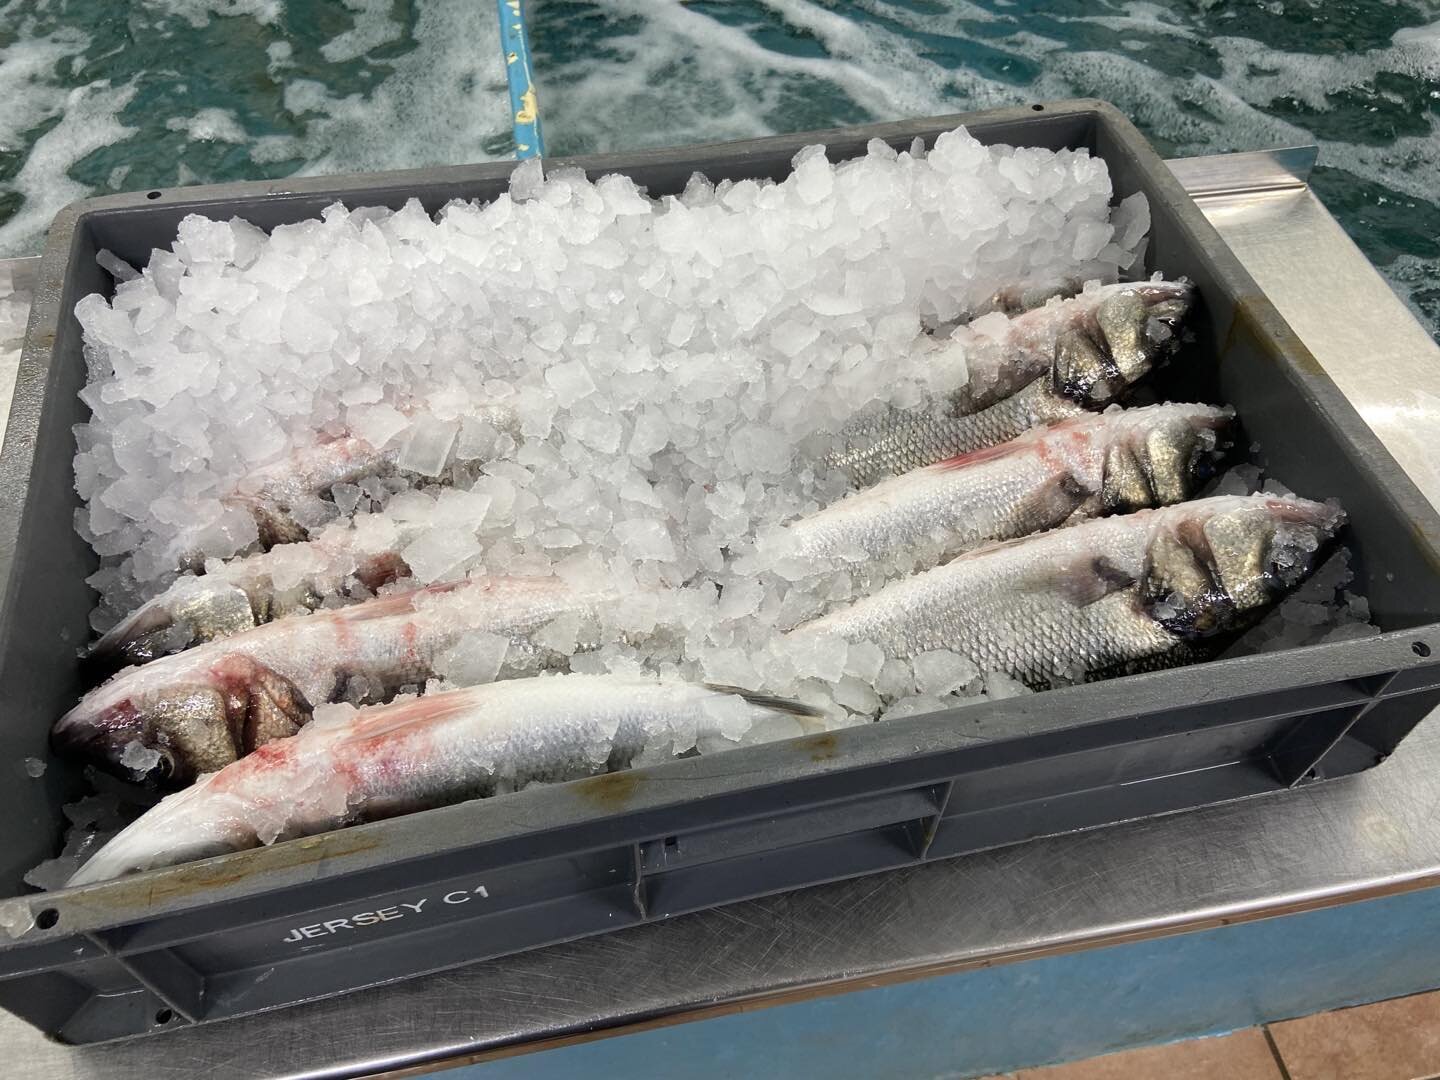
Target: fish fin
985	453
768	701
383	607
1086	579
274	523
381	569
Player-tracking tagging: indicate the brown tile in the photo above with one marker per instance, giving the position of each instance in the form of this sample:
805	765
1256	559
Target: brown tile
1242	1055
1390	1040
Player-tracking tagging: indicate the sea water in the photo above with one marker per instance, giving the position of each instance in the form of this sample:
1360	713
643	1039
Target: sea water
101	97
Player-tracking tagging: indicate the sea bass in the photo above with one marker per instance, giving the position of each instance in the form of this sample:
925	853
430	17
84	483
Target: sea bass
280	496
1020	298
1048	364
1114	462
440	749
1145	590
274	493
199	710
254	589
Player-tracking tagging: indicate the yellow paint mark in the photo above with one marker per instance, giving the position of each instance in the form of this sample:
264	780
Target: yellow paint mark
820	747
529	107
511	57
522	146
609	791
198	878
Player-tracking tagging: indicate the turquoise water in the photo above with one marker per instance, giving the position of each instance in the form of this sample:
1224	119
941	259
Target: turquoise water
98	96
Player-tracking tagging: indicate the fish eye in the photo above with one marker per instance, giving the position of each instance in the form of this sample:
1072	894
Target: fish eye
163	769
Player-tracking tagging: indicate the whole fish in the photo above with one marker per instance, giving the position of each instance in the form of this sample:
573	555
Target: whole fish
278	495
275	492
1048	364
1140	591
254	589
440	749
1113	462
199	710
1021	297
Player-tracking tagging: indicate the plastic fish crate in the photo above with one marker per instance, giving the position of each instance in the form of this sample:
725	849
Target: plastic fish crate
319	916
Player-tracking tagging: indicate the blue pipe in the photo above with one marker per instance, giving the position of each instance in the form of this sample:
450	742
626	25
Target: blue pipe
524	110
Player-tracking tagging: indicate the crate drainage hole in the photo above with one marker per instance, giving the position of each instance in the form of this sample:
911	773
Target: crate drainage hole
164	1016
1420	649
1037	108
47	918
152	194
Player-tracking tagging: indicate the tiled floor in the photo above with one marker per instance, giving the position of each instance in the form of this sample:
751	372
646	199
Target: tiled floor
1390	1040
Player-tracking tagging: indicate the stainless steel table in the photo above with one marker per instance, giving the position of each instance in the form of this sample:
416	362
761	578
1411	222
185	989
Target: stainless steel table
1319	846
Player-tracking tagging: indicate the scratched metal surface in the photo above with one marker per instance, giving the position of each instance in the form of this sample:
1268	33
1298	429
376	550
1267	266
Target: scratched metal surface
1370	834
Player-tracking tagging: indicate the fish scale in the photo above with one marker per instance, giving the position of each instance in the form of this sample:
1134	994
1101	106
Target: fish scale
1045	365
886	441
1062	606
1041	479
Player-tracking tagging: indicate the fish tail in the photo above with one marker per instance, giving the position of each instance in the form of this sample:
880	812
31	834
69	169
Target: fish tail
769	701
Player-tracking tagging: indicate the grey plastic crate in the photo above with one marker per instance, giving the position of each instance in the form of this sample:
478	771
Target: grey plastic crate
263	929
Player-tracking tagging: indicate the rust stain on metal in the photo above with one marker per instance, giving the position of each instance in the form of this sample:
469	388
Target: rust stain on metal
819	747
200	878
610	791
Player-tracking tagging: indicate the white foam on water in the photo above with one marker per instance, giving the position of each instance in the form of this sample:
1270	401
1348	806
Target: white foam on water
210	125
32	87
90	122
198	13
373	28
444	101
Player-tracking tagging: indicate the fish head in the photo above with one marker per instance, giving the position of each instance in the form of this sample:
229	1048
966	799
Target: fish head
1217	569
172	720
191	611
1128	333
1161	455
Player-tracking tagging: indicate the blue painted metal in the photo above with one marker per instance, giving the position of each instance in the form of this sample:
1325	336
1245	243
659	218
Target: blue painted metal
524	110
1059	1008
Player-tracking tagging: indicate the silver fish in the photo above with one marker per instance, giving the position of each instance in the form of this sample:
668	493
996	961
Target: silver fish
1117	461
199	710
240	596
1143	590
275	492
1048	364
254	589
1020	298
440	749
277	495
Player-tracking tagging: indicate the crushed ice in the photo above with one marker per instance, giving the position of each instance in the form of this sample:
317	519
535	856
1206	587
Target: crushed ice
579	379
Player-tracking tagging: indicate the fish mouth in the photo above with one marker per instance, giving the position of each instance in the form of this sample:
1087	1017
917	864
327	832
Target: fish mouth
130	641
198	723
103	739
